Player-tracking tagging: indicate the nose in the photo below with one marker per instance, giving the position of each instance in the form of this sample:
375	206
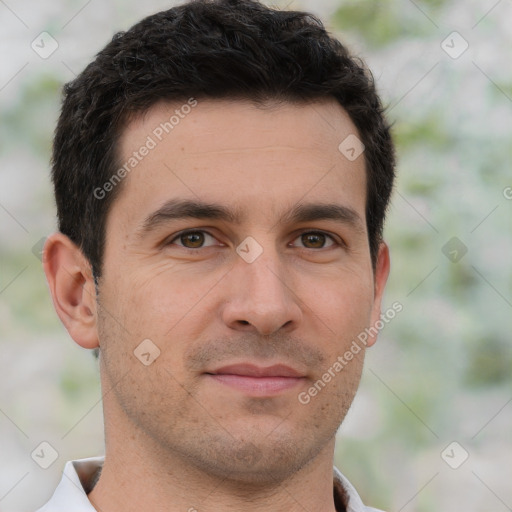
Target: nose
261	298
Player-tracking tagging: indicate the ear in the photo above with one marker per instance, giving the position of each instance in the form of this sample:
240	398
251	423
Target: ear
71	284
380	278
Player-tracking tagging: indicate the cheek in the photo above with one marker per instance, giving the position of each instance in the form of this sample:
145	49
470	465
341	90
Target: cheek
168	306
344	304
157	294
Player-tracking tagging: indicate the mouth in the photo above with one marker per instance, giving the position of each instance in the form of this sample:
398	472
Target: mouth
256	380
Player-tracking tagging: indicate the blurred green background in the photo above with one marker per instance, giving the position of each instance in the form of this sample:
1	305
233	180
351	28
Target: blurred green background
441	371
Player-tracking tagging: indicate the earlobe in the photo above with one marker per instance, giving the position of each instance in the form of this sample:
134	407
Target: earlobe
72	288
381	274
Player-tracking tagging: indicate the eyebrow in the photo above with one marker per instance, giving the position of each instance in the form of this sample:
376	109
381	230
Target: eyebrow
307	212
303	212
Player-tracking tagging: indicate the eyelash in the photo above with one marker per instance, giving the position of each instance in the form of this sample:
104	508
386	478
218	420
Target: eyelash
192	250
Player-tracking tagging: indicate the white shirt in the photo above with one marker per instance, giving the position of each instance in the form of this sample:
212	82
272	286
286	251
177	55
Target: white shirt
79	475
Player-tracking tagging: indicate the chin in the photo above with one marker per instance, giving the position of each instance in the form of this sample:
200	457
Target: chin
255	463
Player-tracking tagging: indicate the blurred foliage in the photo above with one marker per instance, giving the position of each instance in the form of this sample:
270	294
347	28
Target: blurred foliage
382	23
27	297
30	119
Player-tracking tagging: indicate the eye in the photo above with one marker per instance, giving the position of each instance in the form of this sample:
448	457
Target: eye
316	240
194	239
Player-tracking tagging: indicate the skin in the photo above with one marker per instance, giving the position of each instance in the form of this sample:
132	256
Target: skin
176	438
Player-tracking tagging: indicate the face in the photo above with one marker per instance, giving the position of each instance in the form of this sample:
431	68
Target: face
238	250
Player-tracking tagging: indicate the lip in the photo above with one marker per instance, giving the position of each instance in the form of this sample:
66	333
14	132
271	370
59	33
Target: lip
252	370
257	380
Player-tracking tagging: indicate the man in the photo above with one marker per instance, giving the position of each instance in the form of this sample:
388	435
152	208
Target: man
222	172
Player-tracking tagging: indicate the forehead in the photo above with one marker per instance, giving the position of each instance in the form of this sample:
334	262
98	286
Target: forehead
207	125
239	154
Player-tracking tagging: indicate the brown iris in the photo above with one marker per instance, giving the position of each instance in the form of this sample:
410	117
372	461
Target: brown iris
192	239
315	240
